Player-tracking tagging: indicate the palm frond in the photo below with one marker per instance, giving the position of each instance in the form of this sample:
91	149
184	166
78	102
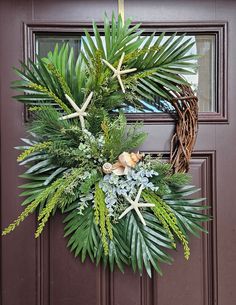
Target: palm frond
147	242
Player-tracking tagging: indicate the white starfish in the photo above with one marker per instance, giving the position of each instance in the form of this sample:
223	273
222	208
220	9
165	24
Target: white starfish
80	112
135	204
118	72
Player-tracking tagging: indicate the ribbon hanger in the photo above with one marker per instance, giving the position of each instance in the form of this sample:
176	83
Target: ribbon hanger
121	9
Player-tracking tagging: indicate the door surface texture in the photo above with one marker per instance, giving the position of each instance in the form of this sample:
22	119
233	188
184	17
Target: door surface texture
44	271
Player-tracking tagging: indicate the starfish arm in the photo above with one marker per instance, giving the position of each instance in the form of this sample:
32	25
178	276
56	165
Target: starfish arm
69	116
82	121
121	84
129	200
109	65
139	193
73	104
127	71
140	216
120	61
115	74
87	101
146	205
126	212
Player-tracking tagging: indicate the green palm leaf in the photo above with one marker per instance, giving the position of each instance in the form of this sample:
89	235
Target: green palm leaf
188	211
85	238
147	242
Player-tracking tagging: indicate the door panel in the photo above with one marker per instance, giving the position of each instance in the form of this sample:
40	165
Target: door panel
44	272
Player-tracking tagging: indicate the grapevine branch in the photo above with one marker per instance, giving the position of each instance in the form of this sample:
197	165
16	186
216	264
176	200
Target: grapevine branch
184	138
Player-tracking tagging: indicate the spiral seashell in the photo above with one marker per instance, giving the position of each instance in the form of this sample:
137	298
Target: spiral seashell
107	168
136	157
118	169
126	160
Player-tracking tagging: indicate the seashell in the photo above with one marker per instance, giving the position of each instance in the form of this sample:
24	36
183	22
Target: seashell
136	157
126	160
107	168
118	169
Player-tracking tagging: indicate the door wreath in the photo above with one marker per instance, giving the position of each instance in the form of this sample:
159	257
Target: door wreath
121	207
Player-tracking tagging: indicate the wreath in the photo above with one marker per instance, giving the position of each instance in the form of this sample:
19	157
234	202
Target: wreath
122	207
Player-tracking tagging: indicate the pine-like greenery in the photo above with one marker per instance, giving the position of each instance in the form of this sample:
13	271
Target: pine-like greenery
102	218
118	139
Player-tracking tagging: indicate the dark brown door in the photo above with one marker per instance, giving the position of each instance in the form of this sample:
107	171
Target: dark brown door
44	272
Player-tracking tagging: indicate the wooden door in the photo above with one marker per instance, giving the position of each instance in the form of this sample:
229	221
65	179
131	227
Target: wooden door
44	272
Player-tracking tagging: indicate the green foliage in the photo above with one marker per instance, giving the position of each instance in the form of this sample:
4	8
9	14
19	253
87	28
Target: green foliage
85	239
60	79
137	245
58	194
102	218
36	184
62	192
119	253
146	242
44	215
27	211
41	198
72	70
50	94
35	148
161	65
166	179
95	118
40	86
66	156
87	185
47	126
85	236
128	241
168	220
189	212
118	139
131	241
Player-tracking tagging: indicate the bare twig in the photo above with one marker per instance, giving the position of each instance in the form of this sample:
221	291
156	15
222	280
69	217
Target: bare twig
184	138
